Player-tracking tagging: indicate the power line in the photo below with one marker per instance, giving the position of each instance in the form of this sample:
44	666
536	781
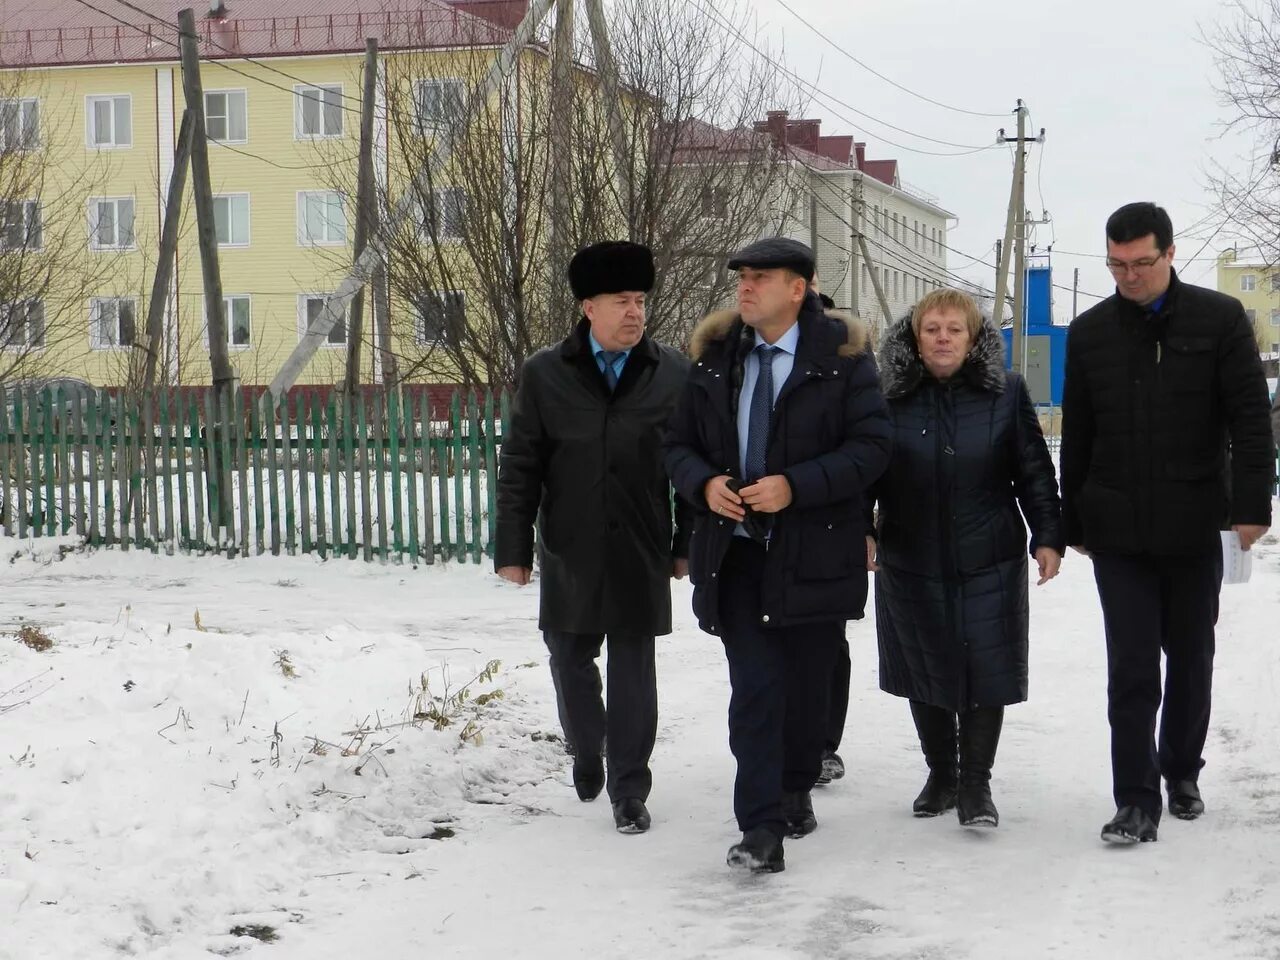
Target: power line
876	73
239	56
818	91
1244	196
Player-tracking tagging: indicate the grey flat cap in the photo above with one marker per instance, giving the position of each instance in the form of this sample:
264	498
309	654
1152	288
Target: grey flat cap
776	252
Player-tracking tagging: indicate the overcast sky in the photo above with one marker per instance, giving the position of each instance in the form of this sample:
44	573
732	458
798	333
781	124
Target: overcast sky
1123	88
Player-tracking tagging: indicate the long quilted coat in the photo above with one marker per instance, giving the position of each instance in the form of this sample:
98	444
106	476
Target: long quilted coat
951	594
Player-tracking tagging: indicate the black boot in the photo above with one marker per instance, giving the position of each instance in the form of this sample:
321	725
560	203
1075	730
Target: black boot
979	737
937	729
797	808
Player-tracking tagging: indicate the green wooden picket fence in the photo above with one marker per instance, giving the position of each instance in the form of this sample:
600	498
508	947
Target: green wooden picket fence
192	471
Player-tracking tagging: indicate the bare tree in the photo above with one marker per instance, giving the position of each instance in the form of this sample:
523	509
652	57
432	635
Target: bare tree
1246	48
474	283
48	273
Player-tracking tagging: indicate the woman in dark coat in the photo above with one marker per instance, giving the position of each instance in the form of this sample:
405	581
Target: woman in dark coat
949	546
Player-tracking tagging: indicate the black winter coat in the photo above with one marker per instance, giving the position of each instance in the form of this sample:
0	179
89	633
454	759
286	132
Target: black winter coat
1151	406
829	438
951	593
587	464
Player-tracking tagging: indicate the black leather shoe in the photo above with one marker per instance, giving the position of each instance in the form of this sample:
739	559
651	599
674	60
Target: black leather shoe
1184	799
798	809
1130	825
760	851
938	795
630	815
588	777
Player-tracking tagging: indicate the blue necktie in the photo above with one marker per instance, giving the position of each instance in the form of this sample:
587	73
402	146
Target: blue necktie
761	413
610	357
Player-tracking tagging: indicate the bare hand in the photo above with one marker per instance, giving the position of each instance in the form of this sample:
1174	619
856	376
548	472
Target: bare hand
720	499
1250	533
1050	561
680	568
517	575
768	494
1081	550
872	566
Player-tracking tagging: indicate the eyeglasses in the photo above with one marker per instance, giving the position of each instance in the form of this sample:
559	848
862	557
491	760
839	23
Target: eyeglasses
1137	266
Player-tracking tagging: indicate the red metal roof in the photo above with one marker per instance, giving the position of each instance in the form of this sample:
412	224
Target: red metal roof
886	171
61	32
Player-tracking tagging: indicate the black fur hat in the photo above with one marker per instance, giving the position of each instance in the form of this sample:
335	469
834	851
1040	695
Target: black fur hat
614	266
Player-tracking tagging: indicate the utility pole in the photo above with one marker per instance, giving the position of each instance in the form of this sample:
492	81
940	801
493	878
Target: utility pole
561	132
855	248
168	253
1075	293
1015	234
366	211
206	228
224	378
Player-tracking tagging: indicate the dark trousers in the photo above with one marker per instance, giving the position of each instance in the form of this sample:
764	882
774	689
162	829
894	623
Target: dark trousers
838	709
1154	604
780	681
630	725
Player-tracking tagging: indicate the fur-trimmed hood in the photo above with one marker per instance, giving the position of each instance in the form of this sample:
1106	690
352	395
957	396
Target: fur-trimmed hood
902	370
719	325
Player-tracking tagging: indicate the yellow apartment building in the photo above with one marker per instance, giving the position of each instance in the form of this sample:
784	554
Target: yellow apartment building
1256	284
99	89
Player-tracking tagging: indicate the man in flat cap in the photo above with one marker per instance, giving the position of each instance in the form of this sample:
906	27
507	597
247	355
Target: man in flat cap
582	456
778	433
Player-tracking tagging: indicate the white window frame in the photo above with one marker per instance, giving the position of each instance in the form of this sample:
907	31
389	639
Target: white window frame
304	322
31	209
226	314
89	126
93	224
299	98
432	124
429	216
420	321
1275	318
1248	282
228	93
25	346
95	342
21	106
304	237
248	218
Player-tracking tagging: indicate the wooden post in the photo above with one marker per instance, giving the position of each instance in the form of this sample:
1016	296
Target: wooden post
168	253
207	236
366	210
875	284
561	133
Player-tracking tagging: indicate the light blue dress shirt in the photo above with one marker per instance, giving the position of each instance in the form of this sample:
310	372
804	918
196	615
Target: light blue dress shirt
783	362
617	365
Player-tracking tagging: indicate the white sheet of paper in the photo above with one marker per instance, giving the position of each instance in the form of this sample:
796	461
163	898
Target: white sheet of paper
1237	563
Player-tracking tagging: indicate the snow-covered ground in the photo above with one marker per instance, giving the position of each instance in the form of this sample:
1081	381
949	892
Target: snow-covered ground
214	746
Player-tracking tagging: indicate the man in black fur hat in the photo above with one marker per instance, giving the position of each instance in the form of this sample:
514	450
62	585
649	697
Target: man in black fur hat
779	432
582	456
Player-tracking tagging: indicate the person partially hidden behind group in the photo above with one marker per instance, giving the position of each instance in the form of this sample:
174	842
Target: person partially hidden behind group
949	547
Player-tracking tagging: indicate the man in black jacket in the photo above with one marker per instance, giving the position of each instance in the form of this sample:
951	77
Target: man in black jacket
582	455
780	429
1165	442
